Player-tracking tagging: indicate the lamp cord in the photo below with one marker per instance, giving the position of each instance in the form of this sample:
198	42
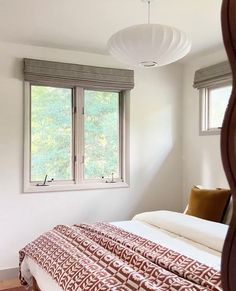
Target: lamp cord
149	4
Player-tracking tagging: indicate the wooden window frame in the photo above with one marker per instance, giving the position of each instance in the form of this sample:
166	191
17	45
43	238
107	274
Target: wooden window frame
78	183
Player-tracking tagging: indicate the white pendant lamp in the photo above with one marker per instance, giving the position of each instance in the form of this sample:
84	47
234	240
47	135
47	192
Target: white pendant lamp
149	45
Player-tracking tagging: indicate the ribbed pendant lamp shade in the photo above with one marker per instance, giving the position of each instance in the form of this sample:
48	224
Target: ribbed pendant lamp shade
149	45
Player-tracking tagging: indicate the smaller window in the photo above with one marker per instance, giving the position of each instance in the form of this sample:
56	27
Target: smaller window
213	103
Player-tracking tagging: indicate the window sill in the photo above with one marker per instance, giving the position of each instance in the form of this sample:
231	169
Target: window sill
74	187
210	132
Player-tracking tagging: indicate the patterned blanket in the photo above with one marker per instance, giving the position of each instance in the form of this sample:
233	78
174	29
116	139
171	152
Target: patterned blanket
103	257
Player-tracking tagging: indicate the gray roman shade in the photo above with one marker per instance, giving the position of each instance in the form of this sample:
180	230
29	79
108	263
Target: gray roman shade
212	75
65	74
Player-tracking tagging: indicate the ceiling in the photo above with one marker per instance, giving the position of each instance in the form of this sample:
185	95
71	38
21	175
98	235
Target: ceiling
86	25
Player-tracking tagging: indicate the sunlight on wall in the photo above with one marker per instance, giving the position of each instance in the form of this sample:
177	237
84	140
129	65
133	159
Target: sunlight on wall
156	141
159	125
212	174
206	171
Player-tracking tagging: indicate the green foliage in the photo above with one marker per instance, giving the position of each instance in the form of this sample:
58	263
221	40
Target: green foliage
51	133
101	134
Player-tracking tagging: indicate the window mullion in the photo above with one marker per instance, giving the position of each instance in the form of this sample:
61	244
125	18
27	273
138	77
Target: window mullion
74	120
207	98
79	135
125	136
121	134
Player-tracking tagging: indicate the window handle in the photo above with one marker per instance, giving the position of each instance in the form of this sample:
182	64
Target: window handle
112	179
45	181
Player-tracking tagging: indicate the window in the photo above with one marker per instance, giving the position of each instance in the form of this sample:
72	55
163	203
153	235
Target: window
76	137
102	138
51	127
217	102
215	85
214	101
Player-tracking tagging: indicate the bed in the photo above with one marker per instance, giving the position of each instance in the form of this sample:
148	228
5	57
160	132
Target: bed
158	250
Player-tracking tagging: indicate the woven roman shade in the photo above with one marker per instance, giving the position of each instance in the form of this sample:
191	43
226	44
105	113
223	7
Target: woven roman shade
212	75
65	74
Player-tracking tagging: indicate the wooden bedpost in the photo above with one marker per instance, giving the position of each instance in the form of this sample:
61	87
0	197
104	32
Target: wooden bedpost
228	144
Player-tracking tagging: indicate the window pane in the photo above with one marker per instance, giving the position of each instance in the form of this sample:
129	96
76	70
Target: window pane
218	101
51	133
101	134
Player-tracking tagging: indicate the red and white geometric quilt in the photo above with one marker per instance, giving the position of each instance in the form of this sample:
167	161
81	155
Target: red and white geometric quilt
103	257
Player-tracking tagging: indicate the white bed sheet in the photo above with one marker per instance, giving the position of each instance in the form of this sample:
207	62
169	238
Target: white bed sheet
175	242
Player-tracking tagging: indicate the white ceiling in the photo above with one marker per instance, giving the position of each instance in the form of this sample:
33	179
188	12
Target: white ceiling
86	25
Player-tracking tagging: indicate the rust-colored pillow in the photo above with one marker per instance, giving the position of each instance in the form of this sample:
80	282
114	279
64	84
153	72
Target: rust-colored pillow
209	204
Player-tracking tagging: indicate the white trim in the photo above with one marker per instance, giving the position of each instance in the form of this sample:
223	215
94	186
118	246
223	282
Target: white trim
75	187
26	172
126	137
79	133
80	136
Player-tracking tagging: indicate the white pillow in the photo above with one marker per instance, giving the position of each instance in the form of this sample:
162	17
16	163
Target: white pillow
208	233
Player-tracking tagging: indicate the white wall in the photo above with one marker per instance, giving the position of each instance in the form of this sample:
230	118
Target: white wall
201	154
156	179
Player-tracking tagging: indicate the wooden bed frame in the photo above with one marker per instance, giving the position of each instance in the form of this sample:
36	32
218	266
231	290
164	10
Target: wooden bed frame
228	147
